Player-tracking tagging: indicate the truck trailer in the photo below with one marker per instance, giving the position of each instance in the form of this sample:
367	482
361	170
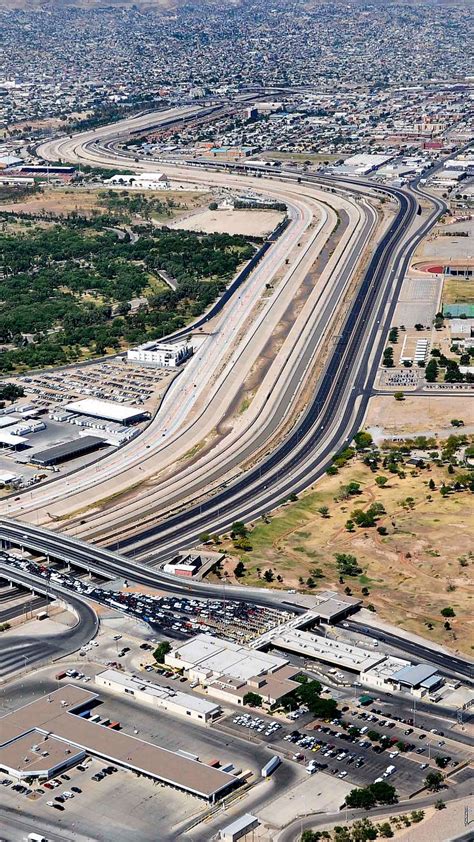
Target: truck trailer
270	767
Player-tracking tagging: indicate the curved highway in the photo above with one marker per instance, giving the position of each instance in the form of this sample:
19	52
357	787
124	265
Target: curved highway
23	652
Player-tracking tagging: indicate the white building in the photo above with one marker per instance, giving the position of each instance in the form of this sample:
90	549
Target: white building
171	700
144	181
161	355
206	657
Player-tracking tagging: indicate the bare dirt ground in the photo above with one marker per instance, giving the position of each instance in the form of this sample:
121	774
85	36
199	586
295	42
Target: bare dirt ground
248	222
423	564
415	413
64	200
438	246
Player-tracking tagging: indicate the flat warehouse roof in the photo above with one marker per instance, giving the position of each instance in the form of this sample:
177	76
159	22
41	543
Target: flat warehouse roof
414	674
108	410
54	714
62	452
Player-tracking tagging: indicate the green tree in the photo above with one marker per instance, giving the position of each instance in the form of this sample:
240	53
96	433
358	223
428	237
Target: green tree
239	530
268	575
381	481
383	792
361	798
363	439
252	700
447	612
433	781
161	650
363	830
239	569
324	511
385	830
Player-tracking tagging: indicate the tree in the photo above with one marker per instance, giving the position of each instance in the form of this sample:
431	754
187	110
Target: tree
239	569
363	830
347	564
324	511
361	798
253	700
204	538
374	736
161	650
439	804
432	484
363	439
385	830
11	392
441	761
384	793
433	781
381	481
268	575
399	396
447	612
239	530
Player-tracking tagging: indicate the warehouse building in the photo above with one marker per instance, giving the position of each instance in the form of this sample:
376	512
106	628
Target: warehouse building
206	657
107	410
66	451
163	698
346	656
49	735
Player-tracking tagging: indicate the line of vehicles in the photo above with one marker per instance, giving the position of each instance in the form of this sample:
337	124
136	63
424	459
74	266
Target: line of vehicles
175	616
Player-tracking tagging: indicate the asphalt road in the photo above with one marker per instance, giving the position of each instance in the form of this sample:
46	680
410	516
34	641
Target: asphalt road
23	652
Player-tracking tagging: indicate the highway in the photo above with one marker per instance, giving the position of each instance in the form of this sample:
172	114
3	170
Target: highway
23	652
216	513
102	561
334	413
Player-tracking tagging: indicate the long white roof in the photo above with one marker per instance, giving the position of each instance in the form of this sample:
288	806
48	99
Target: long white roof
104	409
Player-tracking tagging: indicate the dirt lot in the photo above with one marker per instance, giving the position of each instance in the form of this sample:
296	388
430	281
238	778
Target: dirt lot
422	565
456	290
247	222
64	200
427	413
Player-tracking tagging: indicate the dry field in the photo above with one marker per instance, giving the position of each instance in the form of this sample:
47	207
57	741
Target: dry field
422	565
457	291
418	414
247	222
65	200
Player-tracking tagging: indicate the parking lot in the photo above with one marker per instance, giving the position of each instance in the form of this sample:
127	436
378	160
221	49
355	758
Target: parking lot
104	805
114	380
342	747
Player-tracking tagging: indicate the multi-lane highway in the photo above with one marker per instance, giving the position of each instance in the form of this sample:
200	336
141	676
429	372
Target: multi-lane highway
25	651
99	560
337	407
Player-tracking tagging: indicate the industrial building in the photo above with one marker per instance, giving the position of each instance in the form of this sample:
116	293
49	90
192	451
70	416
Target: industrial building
187	565
161	355
107	410
50	734
343	655
163	698
144	181
66	451
206	657
238	828
230	670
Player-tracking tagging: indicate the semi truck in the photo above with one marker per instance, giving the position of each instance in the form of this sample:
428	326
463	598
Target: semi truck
270	767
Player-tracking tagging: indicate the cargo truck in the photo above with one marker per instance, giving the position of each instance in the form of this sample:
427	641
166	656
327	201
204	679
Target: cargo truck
270	767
